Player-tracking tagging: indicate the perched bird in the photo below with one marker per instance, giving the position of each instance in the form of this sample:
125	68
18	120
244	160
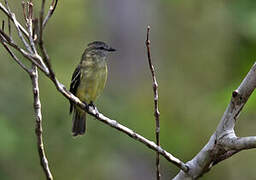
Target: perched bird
88	81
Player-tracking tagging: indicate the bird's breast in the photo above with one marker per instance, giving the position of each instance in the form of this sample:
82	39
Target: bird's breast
93	80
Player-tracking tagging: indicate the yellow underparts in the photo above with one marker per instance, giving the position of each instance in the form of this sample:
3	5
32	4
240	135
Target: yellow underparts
93	80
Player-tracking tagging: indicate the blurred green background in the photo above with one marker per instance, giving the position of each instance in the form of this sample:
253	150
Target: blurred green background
201	50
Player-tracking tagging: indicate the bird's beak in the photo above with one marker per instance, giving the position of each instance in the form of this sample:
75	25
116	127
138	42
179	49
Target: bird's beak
111	49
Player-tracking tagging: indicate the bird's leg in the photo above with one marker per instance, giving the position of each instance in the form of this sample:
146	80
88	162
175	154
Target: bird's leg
94	107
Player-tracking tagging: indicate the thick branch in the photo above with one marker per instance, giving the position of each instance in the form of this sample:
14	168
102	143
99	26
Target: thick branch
224	143
240	143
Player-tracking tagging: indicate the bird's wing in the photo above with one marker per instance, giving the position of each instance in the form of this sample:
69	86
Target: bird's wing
74	84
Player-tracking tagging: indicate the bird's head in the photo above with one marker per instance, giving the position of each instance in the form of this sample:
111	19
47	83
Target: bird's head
98	48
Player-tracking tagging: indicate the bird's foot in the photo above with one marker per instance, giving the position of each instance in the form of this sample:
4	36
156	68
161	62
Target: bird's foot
95	109
87	106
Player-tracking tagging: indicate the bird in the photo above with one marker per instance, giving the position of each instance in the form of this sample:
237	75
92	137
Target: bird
88	82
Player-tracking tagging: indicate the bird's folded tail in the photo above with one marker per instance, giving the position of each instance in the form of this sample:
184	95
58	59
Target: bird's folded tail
79	123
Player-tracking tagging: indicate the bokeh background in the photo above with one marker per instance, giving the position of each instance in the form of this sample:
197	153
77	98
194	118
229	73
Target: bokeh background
201	50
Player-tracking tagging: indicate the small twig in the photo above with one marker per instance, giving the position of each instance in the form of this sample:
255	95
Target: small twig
9	28
30	27
13	55
3	25
9	23
38	127
45	55
7	5
50	12
25	12
22	29
41	19
16	23
32	58
156	109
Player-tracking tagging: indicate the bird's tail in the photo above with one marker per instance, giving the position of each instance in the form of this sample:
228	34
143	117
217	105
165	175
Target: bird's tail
79	123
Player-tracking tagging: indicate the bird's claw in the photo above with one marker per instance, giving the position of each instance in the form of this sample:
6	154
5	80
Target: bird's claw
87	106
95	109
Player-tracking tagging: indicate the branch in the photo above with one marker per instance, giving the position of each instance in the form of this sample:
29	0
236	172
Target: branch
34	59
156	111
17	25
22	29
50	11
31	57
39	128
114	124
14	56
224	143
45	56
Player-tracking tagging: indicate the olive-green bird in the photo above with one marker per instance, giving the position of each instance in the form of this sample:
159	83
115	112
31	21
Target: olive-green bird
88	81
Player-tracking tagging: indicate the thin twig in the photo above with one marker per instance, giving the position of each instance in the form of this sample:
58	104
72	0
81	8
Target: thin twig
38	127
9	21
3	25
45	55
156	109
4	10
30	27
32	58
25	12
17	25
41	19
13	55
9	28
50	12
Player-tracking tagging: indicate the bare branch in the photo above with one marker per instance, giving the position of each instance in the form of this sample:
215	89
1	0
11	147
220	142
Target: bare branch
22	29
30	57
13	55
30	29
156	110
44	53
240	143
23	4
3	25
50	12
17	25
224	143
38	127
119	127
9	28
